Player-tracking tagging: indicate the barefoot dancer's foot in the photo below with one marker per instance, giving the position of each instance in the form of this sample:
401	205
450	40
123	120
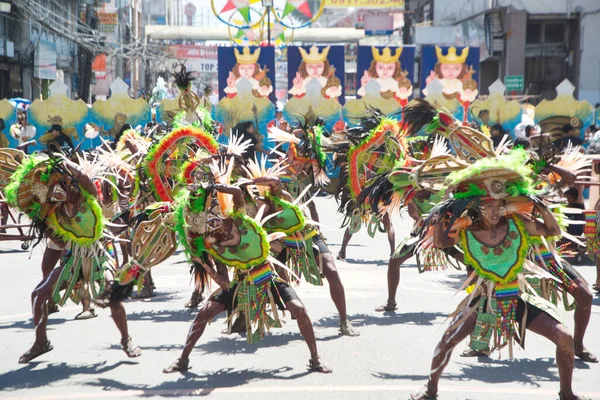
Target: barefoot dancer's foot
52	309
389	306
239	325
596	286
180	365
130	349
584	354
347	329
341	256
424	394
475	353
317	366
102	303
87	314
35	351
145	293
195	300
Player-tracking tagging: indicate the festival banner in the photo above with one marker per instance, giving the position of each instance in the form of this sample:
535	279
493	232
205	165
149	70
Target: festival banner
456	69
110	116
58	109
8	116
497	110
565	118
385	76
246	90
316	82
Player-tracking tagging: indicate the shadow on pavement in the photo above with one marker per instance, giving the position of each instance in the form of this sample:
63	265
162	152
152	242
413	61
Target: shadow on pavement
26	377
526	371
159	297
357	261
385	319
387	375
191	384
454	280
162	347
236	343
10	251
28	324
183	314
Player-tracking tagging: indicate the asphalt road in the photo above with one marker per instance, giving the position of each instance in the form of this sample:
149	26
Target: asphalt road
388	361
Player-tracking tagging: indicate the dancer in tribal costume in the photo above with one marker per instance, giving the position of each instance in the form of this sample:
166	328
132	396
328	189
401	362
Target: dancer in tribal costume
128	192
157	168
306	160
592	215
61	199
302	248
198	169
413	183
232	238
555	172
491	216
374	147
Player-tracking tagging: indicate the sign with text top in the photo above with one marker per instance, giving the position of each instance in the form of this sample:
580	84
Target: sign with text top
514	82
365	3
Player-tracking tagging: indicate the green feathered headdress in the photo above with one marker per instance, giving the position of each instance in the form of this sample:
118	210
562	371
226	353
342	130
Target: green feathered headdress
316	144
11	191
497	177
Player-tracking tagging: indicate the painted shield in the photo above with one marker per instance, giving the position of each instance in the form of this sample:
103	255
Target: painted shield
164	162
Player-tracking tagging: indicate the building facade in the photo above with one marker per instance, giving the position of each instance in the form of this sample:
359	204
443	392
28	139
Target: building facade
10	73
43	54
543	41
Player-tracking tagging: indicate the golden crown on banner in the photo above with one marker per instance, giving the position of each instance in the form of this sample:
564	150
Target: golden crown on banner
385	56
314	56
451	57
246	57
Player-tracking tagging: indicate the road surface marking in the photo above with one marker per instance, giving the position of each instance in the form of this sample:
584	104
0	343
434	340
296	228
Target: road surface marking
110	394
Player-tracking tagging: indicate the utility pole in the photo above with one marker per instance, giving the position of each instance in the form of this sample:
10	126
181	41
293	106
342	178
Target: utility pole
85	68
121	34
406	36
268	4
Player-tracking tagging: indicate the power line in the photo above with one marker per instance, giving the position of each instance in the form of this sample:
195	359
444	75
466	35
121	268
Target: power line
81	33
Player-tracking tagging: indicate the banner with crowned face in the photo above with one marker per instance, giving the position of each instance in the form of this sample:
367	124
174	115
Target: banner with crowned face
457	69
386	81
246	91
316	84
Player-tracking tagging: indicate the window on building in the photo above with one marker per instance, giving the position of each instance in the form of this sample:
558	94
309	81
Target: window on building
548	45
554	32
3	25
534	32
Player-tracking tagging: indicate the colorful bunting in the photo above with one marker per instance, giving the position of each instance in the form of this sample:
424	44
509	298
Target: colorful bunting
297	5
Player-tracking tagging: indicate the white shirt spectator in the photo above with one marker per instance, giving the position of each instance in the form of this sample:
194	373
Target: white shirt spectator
24	133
